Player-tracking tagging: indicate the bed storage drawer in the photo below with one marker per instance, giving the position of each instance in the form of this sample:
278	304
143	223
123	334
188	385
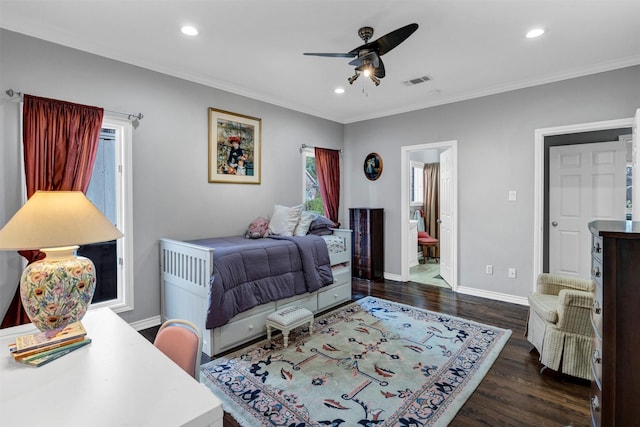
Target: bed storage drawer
333	295
242	330
308	301
341	274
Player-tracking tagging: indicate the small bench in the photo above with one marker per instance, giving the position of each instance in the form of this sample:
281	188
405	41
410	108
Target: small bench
427	242
287	319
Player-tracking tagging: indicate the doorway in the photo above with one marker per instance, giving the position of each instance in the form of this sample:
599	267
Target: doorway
542	140
448	237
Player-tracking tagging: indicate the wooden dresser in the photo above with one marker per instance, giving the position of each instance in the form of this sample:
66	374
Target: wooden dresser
367	260
615	362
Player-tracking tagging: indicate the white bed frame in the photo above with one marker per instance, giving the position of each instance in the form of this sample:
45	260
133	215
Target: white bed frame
185	269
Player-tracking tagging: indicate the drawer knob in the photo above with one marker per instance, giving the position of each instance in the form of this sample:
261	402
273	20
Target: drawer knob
596	248
596	272
596	357
595	403
251	327
596	307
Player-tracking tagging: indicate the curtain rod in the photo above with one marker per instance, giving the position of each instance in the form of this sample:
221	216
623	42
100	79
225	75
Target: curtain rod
303	146
138	116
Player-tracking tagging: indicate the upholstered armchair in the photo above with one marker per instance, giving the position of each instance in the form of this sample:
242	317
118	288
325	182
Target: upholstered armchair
559	323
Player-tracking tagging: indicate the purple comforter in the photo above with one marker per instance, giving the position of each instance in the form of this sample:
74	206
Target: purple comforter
250	272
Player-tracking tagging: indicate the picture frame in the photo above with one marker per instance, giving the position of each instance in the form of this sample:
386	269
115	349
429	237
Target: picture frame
372	166
235	145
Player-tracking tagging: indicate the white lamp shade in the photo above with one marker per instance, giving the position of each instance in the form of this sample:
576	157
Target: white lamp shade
53	219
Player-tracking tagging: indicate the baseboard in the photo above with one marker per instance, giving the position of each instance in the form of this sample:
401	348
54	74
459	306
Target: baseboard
146	323
394	277
493	295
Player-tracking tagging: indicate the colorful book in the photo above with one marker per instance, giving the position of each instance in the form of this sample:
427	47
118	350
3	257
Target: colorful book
48	338
51	355
26	353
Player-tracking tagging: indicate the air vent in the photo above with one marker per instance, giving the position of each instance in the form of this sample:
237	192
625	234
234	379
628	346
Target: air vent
417	80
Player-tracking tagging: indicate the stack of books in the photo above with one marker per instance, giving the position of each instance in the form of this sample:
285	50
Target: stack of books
43	347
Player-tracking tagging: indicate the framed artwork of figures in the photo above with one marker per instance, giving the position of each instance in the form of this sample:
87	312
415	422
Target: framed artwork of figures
372	166
235	142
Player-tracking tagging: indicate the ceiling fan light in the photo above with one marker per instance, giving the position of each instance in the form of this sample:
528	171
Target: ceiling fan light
339	90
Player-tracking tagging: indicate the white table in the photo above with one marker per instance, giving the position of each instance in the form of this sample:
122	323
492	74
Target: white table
119	379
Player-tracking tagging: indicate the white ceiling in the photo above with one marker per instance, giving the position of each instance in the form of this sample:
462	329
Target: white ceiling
254	48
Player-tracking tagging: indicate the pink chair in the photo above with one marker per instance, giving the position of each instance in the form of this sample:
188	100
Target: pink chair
181	341
426	242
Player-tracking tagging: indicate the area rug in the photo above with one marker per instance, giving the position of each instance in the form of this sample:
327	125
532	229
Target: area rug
371	363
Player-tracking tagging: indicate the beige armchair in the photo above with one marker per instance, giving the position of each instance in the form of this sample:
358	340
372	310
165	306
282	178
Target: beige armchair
559	323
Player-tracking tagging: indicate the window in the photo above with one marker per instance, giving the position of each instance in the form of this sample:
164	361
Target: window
110	190
417	183
311	189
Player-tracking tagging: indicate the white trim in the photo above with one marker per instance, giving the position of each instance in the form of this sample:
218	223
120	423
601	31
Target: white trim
393	277
146	323
538	192
405	170
493	295
124	197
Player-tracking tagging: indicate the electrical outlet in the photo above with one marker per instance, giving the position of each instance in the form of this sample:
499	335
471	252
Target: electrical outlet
488	269
512	273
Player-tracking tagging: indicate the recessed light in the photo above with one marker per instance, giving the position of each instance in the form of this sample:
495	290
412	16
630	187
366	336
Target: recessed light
536	32
339	90
189	30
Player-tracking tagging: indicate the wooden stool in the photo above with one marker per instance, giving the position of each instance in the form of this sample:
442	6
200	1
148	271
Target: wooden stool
287	319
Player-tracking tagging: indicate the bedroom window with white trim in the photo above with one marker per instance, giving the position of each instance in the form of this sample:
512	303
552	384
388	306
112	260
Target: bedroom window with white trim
417	183
310	188
110	190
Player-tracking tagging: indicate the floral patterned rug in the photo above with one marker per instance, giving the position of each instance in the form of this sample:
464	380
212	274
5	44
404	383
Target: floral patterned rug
371	363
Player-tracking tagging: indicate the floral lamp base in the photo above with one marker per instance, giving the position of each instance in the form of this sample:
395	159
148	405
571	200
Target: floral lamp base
58	289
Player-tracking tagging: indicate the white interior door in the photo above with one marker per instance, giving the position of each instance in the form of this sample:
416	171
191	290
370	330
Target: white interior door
586	182
446	215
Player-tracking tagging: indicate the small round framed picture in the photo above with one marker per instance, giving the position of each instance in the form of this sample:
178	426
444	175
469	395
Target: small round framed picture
373	166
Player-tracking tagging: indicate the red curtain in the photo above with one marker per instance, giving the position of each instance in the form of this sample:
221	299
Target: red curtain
328	170
60	145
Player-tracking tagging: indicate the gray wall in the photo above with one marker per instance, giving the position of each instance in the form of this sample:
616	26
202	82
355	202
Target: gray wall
172	197
495	137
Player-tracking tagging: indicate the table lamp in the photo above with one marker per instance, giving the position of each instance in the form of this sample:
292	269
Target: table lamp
58	289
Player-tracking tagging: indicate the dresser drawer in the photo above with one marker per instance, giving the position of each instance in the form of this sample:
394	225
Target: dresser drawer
596	360
596	247
596	311
595	404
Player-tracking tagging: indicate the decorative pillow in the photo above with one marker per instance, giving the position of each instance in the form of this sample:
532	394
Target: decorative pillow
258	228
321	226
305	222
284	220
321	222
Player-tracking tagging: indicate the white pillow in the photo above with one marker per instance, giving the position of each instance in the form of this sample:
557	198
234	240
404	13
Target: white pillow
284	219
303	225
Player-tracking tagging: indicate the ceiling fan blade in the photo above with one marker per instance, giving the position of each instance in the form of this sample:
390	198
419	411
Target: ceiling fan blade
387	42
379	71
334	55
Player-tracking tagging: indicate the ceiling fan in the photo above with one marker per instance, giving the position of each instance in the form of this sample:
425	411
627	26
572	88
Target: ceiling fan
367	57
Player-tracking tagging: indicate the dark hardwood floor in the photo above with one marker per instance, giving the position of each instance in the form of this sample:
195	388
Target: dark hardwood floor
513	393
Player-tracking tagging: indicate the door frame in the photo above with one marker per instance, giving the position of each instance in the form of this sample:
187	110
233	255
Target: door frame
539	179
405	170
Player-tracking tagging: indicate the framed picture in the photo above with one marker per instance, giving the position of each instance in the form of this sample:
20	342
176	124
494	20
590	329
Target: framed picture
235	142
372	166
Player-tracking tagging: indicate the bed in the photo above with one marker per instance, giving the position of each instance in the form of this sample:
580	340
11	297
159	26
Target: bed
186	269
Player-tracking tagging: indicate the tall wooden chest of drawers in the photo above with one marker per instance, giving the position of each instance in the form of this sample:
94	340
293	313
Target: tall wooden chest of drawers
615	362
367	261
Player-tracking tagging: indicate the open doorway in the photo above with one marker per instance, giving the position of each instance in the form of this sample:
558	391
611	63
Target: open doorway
446	155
